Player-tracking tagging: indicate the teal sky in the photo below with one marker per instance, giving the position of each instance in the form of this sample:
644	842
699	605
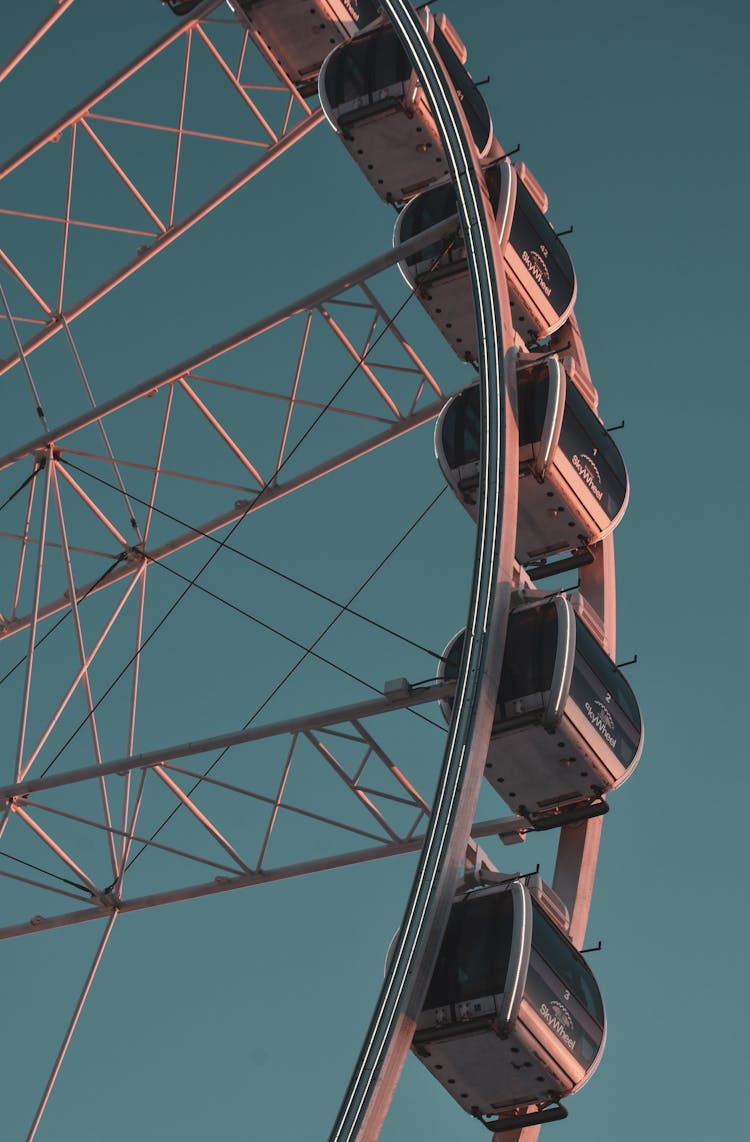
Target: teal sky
240	1017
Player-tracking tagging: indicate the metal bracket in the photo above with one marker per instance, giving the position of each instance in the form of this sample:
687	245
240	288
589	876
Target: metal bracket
505	1123
542	824
396	688
581	557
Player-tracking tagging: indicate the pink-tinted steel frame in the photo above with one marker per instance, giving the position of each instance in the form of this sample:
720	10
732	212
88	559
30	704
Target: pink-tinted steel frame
71	1026
86	681
274	143
52	467
125	836
276	489
59	9
578	847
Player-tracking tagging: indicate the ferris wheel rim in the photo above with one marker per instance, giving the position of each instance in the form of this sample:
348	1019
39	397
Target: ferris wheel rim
36	447
378	1068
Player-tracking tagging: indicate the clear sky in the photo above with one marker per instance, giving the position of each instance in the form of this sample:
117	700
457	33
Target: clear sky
240	1017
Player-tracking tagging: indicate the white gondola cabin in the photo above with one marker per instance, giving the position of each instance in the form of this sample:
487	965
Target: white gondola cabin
301	33
573	486
567	726
371	95
513	1020
540	275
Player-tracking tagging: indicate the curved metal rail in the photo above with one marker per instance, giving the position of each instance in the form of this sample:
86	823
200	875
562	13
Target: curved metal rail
389	1035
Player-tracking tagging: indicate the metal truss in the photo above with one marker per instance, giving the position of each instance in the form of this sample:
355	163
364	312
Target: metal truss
391	392
99	524
75	528
391	809
141	163
114	517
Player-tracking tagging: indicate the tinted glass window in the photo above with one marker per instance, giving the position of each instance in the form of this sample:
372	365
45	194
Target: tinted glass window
541	251
483	948
437	204
617	684
473	960
602	692
474	107
562	990
346	73
182	7
367	64
533	395
592	452
461	425
460	438
442	985
368	11
453	660
389	62
427	209
530	652
567	964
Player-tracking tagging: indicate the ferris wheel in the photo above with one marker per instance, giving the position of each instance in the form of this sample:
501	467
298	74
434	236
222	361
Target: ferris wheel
232	583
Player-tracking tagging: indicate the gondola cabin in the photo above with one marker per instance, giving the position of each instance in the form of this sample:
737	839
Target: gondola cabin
439	272
371	95
540	275
573	485
301	33
513	1019
567	726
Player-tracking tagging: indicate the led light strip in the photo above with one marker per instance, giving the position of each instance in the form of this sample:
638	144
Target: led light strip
379	1063
522	960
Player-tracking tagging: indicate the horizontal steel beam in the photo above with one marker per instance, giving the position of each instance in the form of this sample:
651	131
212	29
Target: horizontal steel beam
238	510
57	323
198	360
499	826
319	720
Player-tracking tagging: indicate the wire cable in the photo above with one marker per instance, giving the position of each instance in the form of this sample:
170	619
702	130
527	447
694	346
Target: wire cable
223	542
46	872
118	559
35	472
252	559
307	651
